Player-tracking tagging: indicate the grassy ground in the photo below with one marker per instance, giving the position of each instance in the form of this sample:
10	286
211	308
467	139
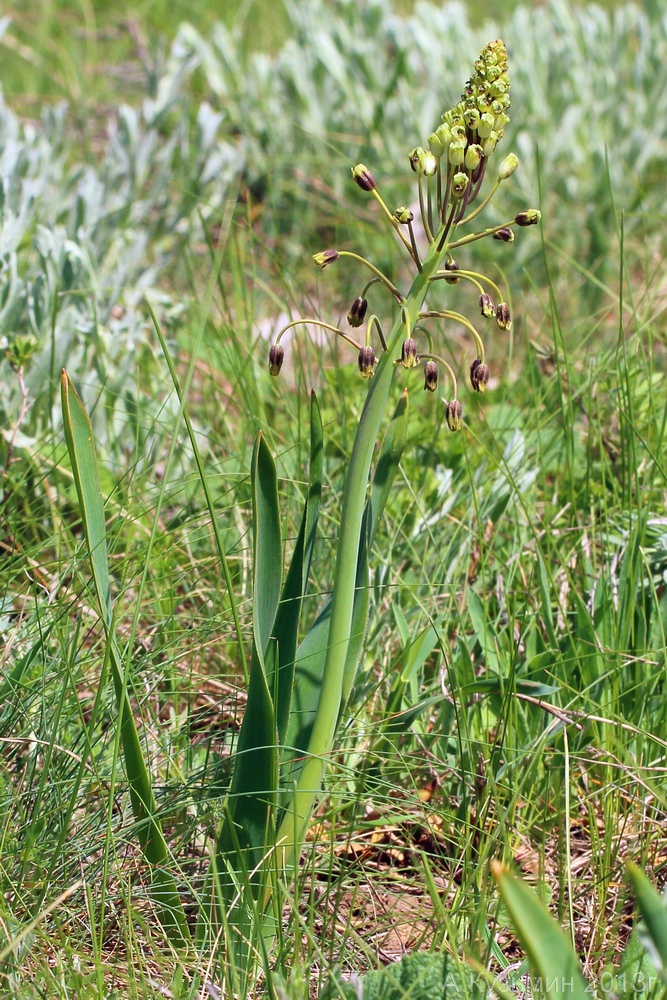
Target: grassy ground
518	602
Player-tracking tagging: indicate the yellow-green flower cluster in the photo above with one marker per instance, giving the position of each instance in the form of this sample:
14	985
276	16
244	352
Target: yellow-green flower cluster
481	115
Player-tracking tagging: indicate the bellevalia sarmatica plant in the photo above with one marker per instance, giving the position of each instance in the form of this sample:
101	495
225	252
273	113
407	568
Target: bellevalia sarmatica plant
297	692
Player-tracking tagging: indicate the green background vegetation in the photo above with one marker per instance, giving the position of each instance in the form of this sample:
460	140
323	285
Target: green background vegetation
511	703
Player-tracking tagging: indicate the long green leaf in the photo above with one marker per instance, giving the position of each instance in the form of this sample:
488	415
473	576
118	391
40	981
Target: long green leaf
286	628
246	834
653	908
81	448
267	545
550	955
312	651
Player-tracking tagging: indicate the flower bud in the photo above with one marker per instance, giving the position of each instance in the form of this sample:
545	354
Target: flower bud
367	362
435	144
508	166
430	164
472	118
528	218
486	305
454	415
451	265
444	134
276	357
403	215
417	160
460	182
357	312
456	152
490	143
479	375
409	357
363	177
503	318
325	257
485	125
473	156
430	376
505	235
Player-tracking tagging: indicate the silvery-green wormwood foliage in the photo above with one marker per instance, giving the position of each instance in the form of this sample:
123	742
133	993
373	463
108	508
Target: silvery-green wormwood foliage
450	176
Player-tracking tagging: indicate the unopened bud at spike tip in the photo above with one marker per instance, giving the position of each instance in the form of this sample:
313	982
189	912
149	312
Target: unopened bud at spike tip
409	357
363	177
503	317
367	362
454	415
430	376
505	235
276	358
486	305
357	312
325	257
479	375
528	218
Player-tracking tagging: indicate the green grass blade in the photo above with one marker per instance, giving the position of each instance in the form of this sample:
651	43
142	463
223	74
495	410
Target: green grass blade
206	488
81	448
550	956
653	909
246	833
286	628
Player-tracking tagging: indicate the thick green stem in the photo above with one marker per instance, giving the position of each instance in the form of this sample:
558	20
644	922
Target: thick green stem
293	827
